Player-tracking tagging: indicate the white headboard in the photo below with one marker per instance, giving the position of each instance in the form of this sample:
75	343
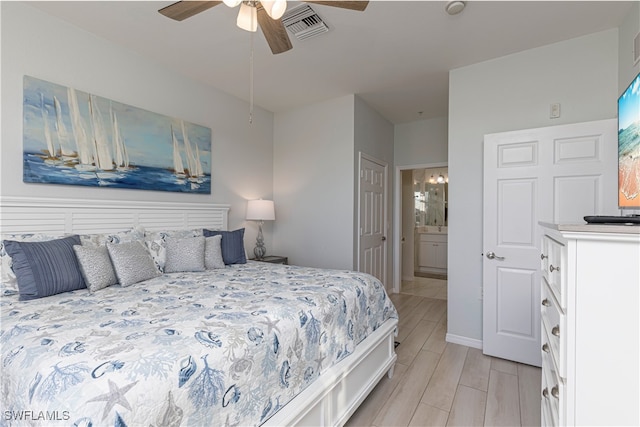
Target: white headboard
60	216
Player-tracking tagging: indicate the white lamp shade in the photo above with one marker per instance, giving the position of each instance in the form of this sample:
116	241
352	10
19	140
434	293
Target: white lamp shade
260	210
247	18
274	8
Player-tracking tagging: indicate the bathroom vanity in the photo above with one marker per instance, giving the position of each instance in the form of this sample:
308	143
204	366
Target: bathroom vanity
431	250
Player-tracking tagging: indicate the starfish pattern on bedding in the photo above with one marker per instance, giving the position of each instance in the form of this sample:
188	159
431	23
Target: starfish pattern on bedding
271	324
115	396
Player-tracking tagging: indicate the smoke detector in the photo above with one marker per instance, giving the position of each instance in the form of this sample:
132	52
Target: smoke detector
454	7
303	22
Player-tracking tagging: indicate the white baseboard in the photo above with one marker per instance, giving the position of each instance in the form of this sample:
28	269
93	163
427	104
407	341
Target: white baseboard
469	342
408	278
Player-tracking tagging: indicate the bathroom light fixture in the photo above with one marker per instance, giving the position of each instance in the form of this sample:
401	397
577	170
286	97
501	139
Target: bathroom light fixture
440	179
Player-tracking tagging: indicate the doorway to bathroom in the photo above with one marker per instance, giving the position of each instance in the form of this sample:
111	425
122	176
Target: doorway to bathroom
422	229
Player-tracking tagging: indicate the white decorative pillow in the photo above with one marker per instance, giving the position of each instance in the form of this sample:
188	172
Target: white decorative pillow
185	254
213	253
132	262
96	267
156	242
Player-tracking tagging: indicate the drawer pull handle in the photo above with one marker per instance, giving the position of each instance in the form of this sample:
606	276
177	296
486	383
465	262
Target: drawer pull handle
555	392
543	256
545	348
556	330
552	268
546	302
545	393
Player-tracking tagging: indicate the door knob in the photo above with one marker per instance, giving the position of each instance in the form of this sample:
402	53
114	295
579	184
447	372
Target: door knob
384	238
492	255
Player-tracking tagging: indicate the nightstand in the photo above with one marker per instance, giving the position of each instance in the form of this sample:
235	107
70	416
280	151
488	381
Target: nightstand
274	259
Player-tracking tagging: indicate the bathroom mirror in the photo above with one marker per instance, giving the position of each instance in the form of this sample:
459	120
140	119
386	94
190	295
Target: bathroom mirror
431	188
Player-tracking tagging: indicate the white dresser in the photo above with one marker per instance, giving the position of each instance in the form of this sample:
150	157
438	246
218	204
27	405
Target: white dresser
590	302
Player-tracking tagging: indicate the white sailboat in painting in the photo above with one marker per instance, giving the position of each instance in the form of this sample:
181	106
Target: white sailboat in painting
122	158
178	167
104	161
198	174
187	149
51	158
84	147
193	160
66	152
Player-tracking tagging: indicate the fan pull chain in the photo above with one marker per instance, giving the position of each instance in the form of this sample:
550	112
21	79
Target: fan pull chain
251	83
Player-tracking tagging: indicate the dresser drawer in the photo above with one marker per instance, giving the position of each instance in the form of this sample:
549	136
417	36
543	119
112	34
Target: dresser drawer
549	412
553	328
552	395
548	418
552	260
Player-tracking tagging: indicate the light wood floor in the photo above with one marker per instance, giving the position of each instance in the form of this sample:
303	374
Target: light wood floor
436	383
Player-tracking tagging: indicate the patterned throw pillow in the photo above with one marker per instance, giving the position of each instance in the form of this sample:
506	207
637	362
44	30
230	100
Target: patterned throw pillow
232	245
96	267
102	239
156	242
185	254
132	262
45	268
213	253
8	281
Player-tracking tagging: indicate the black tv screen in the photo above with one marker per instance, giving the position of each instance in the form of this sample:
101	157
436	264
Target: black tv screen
629	146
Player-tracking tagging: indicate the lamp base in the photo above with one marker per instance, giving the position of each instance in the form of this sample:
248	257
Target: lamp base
260	250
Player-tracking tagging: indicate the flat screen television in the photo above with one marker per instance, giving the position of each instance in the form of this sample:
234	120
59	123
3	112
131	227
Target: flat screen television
629	146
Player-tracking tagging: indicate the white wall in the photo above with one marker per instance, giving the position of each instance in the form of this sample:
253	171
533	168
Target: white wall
373	135
313	184
39	45
421	142
509	93
627	31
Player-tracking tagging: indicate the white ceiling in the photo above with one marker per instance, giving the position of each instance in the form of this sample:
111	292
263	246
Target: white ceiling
395	55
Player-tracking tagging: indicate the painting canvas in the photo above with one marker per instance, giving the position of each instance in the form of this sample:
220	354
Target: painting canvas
73	137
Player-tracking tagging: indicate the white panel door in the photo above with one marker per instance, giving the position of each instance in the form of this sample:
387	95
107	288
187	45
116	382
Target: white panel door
553	174
373	202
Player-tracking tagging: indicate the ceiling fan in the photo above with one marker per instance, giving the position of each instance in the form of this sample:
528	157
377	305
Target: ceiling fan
266	13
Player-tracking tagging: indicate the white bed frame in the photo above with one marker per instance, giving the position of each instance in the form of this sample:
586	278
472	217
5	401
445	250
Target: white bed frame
329	401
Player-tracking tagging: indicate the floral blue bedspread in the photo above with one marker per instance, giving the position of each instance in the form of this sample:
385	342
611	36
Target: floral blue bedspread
221	347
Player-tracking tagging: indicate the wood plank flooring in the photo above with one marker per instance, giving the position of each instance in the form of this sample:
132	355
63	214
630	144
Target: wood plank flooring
436	383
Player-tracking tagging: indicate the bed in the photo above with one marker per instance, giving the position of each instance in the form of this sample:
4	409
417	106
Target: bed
248	344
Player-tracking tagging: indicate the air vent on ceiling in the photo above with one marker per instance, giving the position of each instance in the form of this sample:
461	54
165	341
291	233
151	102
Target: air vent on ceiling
303	22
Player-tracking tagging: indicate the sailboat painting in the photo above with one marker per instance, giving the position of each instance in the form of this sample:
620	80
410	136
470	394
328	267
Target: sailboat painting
77	138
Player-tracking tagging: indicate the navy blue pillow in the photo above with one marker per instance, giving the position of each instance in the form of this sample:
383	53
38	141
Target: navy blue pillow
232	245
45	268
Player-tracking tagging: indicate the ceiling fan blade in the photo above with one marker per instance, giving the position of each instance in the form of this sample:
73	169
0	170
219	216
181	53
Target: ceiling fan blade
186	9
274	32
353	5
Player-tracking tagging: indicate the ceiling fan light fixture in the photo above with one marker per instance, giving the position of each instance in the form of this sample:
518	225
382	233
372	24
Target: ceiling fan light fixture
247	18
274	8
232	3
